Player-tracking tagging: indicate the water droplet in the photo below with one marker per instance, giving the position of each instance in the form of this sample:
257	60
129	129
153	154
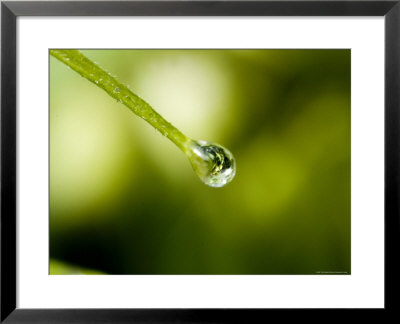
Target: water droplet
117	90
213	163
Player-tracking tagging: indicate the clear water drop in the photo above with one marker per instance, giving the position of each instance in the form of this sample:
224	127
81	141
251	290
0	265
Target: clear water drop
213	163
116	90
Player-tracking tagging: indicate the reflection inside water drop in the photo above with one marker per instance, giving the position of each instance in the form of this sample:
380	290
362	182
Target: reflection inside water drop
213	163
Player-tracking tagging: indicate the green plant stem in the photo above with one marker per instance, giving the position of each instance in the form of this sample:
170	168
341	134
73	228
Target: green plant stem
91	71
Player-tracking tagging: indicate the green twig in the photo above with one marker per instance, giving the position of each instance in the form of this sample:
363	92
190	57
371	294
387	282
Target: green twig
91	71
213	163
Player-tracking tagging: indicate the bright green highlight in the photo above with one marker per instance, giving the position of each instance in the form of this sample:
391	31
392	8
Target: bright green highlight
62	268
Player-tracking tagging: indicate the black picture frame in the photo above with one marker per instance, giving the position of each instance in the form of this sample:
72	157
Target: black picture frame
10	10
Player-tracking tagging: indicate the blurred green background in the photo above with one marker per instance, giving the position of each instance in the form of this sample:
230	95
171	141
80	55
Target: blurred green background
125	200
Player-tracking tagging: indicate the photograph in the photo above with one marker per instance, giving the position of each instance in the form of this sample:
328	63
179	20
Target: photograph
199	161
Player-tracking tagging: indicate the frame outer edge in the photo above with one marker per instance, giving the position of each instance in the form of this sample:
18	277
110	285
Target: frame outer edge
203	8
392	155
8	171
8	162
